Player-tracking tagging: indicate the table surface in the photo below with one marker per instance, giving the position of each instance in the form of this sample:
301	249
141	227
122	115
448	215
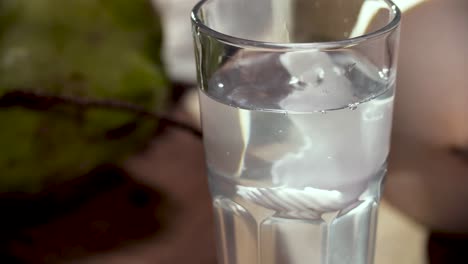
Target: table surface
160	212
399	240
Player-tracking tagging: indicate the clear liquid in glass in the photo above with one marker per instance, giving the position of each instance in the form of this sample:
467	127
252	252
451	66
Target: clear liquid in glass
296	147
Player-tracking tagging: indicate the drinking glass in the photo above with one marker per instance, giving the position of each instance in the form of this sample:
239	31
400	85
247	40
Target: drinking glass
296	104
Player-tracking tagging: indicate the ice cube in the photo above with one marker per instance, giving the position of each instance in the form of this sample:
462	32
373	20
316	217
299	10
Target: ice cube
344	148
326	160
320	83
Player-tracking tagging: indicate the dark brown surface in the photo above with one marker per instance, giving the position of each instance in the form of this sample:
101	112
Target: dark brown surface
173	163
111	219
448	248
189	238
160	212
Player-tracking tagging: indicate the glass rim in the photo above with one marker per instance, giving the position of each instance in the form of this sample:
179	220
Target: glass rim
342	43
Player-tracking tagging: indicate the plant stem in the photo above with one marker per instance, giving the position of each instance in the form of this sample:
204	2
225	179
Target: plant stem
42	101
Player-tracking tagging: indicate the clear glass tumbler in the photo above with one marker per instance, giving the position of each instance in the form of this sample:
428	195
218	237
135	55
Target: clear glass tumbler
296	102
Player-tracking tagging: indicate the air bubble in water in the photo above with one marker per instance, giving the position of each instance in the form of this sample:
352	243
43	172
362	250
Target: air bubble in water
297	83
338	70
384	73
320	76
353	106
350	68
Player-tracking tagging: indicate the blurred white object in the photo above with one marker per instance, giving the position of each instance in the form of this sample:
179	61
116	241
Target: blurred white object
370	8
178	47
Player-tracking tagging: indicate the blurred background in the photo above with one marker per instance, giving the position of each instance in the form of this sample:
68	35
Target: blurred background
88	174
